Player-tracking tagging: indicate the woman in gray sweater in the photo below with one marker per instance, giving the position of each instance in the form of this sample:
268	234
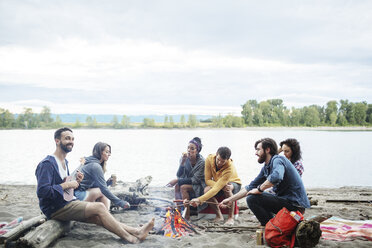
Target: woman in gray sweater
190	181
94	187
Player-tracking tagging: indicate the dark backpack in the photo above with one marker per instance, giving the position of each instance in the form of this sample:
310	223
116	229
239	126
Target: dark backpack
280	230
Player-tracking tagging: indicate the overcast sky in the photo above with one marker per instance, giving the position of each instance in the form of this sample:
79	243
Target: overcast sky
181	57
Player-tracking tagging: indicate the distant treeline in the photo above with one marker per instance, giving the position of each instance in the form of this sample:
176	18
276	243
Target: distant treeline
267	113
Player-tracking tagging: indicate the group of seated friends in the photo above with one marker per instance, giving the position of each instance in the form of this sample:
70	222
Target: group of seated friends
200	182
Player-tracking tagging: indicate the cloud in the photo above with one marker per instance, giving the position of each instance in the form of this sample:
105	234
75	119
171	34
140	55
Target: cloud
205	53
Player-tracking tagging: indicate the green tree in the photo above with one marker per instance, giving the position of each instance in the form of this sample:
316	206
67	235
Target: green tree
27	119
6	119
295	117
258	119
166	121
58	122
91	122
247	112
369	114
237	121
192	122
45	117
331	113
311	116
77	123
182	121
360	113
125	121
228	121
148	122
217	121
115	122
171	122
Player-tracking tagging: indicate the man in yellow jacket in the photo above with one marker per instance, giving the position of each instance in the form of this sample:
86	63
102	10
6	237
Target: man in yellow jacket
221	178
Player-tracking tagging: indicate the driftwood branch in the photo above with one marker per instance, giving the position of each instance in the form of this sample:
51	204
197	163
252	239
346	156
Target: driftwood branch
45	234
226	229
132	192
21	228
349	201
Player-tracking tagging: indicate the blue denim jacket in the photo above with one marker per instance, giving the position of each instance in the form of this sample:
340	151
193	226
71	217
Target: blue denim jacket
287	182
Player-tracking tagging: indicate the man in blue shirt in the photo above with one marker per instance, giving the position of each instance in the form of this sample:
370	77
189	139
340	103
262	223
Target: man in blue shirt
279	173
56	197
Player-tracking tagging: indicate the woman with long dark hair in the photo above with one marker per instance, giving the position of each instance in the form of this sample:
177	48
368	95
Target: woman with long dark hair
292	151
94	187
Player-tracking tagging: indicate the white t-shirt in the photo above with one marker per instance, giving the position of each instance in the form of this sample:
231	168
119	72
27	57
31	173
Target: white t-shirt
62	172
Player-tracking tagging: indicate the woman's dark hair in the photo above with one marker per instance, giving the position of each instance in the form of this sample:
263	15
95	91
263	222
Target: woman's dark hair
295	147
98	149
197	142
224	152
268	143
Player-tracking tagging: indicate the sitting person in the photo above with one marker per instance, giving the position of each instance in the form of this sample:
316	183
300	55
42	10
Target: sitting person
279	172
221	179
51	174
292	151
190	175
94	187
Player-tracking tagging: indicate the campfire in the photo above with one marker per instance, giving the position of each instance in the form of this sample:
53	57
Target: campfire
175	225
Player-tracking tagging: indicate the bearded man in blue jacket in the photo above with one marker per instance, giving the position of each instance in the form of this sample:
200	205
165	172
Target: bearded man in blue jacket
279	173
56	195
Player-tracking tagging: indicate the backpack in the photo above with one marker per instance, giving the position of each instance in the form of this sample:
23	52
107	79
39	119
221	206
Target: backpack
280	230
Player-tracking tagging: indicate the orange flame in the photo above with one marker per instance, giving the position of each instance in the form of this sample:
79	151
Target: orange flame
175	225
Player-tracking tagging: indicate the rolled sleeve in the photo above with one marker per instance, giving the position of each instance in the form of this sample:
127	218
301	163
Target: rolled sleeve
257	181
277	173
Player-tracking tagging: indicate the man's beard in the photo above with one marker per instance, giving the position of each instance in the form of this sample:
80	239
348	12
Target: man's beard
65	148
262	158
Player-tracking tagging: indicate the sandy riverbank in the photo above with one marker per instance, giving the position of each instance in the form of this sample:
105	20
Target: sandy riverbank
19	200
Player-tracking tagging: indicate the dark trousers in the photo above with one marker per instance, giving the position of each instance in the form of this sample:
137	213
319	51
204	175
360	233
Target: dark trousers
265	205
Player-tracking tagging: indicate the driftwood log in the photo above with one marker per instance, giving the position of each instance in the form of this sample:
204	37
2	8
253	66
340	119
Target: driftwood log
45	234
133	192
21	228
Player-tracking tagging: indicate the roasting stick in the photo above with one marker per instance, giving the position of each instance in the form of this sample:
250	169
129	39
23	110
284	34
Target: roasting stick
205	202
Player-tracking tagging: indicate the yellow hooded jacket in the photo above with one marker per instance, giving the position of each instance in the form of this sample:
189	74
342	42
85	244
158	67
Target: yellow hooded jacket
218	179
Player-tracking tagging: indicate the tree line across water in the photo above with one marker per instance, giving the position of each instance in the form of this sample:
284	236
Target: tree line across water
266	113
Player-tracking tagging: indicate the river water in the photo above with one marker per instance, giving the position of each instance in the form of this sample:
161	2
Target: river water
331	158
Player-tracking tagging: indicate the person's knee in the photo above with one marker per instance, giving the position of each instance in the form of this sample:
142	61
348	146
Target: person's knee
251	200
99	207
184	189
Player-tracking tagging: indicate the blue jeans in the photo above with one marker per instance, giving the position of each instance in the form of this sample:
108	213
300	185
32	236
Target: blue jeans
265	205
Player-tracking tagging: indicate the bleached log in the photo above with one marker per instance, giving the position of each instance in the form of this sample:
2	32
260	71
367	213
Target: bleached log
45	234
132	192
21	228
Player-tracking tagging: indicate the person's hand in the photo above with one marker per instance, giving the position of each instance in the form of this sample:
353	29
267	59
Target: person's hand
280	150
79	176
195	202
186	202
82	161
254	192
172	183
184	157
124	204
226	203
73	184
228	187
